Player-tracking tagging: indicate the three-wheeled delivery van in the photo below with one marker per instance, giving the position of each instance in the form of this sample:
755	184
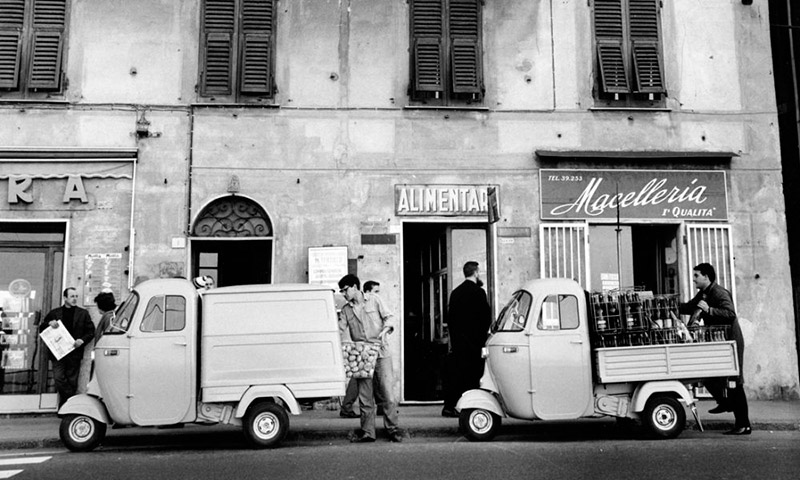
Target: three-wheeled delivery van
549	357
241	355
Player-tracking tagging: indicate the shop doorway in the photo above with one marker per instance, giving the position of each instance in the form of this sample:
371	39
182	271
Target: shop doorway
31	271
433	257
644	257
232	242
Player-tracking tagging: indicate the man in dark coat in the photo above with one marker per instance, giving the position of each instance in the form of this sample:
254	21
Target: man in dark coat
79	324
714	305
468	319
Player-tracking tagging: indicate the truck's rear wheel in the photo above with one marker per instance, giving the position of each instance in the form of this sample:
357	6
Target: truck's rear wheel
479	425
265	424
81	433
664	417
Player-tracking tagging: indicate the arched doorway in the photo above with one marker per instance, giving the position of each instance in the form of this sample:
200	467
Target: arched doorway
232	242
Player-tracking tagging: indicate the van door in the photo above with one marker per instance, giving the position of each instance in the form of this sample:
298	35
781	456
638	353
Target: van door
509	356
161	358
561	377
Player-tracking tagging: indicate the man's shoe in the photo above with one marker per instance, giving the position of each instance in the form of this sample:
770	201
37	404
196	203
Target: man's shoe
720	409
739	431
449	412
362	439
350	414
396	436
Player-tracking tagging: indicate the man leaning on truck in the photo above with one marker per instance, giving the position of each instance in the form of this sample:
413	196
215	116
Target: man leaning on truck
714	305
368	320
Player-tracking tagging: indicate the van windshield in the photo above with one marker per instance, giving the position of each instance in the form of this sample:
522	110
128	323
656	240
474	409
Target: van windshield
514	315
122	316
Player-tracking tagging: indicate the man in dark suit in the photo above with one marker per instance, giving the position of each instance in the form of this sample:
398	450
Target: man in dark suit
714	305
79	324
468	319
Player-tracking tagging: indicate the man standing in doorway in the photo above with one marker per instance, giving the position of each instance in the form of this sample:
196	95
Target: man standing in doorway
78	323
714	305
468	319
368	320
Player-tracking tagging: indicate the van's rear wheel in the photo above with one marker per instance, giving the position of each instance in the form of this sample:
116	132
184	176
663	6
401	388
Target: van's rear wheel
479	425
265	424
664	417
81	433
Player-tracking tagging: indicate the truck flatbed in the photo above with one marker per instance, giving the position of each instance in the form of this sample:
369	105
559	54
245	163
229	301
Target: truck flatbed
681	361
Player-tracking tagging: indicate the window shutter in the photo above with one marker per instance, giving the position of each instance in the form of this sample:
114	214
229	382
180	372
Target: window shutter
608	32
257	28
49	22
12	17
427	31
465	48
643	20
218	24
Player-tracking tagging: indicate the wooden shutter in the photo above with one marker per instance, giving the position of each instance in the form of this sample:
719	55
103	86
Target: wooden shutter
465	49
643	21
427	33
609	38
257	41
12	18
219	18
49	23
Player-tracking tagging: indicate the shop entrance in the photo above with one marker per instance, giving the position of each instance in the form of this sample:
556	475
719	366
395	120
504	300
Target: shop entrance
645	258
31	267
433	257
232	242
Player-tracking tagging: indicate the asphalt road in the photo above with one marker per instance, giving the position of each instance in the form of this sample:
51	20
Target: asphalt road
572	455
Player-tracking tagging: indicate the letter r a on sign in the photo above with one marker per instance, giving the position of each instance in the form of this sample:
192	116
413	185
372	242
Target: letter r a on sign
17	187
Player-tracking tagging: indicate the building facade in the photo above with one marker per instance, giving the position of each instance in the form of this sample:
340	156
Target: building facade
626	140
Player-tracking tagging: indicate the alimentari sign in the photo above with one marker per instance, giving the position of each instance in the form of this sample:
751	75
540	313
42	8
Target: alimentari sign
633	194
441	200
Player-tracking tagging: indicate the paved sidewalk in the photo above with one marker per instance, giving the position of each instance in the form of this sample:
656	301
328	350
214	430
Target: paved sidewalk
419	423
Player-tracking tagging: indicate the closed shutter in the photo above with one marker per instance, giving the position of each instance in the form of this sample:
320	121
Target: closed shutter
609	38
563	251
219	18
647	61
257	40
12	18
465	49
427	33
49	22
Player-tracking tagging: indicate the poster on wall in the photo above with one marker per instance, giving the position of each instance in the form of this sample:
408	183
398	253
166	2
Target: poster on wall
326	265
633	194
103	271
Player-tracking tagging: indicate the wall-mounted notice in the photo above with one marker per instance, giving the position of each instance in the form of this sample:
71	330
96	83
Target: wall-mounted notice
103	271
326	265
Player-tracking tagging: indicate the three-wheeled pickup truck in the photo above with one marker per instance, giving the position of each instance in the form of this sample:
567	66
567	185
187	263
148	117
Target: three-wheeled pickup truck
550	357
243	355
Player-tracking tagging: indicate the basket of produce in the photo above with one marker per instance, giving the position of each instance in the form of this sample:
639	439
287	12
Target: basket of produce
360	358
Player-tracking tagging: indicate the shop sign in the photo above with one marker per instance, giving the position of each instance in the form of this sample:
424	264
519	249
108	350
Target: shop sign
633	194
19	189
441	200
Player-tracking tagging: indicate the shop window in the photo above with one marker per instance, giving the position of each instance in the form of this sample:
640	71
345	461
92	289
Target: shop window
629	68
164	313
559	312
32	39
446	45
237	41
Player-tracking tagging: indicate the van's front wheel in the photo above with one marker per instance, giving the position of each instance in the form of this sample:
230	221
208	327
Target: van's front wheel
265	424
479	425
81	433
664	417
